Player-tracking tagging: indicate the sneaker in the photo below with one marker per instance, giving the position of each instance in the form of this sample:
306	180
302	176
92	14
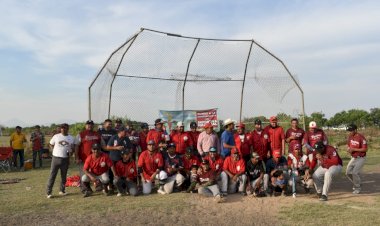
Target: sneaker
356	192
161	191
283	194
323	198
49	196
105	192
86	194
294	195
319	195
63	193
119	194
224	194
219	199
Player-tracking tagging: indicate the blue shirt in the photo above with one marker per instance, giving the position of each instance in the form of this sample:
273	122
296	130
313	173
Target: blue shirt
226	138
115	140
281	165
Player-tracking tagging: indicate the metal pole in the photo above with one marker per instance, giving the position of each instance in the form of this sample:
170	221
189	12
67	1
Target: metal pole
245	74
292	77
184	82
117	69
100	71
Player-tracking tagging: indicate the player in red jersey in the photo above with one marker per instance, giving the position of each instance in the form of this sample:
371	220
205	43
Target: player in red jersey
276	136
181	139
260	140
243	141
294	135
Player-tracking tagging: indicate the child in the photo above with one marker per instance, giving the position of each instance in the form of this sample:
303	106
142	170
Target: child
278	181
298	164
194	179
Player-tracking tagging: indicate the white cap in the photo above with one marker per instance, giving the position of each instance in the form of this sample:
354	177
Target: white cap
229	121
179	124
312	125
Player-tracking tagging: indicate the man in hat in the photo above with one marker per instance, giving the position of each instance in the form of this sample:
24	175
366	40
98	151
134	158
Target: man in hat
277	162
173	167
259	140
243	142
38	141
233	174
255	174
126	174
85	140
17	141
207	181
63	145
227	139
181	139
194	134
189	159
215	161
118	124
143	135
151	167
311	137
330	166
276	136
207	139
357	149
294	135
96	168
158	135
106	132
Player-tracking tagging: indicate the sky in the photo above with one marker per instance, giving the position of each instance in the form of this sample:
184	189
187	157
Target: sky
51	50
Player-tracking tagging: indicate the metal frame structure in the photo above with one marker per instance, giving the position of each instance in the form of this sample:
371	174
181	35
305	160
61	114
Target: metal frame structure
135	36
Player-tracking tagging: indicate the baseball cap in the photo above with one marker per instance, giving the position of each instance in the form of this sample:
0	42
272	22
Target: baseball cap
121	128
208	125
125	151
171	145
205	162
18	127
212	149
118	121
277	153
144	125
179	124
255	155
351	127
241	125
64	125
273	119
319	146
312	125
234	151
158	121
95	146
193	125
151	142
37	126
90	122
257	122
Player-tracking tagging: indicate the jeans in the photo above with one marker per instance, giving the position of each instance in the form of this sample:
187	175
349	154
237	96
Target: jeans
212	190
230	186
57	163
39	153
21	153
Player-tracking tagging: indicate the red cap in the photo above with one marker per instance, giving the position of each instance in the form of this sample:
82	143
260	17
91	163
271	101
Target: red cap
277	153
207	125
241	125
234	151
273	119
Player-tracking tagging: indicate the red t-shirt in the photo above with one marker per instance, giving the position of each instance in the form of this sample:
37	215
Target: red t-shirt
150	163
126	169
312	138
298	133
217	164
243	145
87	139
194	137
99	165
234	167
157	136
259	141
276	135
331	158
357	141
182	141
187	163
142	141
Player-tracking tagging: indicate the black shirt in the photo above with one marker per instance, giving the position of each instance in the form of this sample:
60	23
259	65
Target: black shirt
254	170
106	136
117	141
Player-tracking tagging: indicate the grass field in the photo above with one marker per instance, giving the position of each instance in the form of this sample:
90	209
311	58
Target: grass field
26	203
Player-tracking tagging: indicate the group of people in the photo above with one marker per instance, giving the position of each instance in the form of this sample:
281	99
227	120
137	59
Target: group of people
118	159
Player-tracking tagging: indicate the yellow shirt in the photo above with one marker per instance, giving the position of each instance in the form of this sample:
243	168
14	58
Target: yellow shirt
18	140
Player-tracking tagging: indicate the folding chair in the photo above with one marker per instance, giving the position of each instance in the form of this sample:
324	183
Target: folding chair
6	158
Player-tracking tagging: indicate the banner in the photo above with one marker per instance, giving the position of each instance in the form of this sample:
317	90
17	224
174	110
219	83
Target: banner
201	117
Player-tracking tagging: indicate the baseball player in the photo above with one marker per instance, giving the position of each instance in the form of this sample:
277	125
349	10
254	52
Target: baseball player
233	174
126	174
357	149
294	135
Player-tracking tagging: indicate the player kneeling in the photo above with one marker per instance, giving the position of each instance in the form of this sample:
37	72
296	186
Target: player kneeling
126	174
96	168
207	182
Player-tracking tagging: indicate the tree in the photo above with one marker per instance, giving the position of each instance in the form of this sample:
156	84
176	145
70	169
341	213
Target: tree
318	117
374	116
